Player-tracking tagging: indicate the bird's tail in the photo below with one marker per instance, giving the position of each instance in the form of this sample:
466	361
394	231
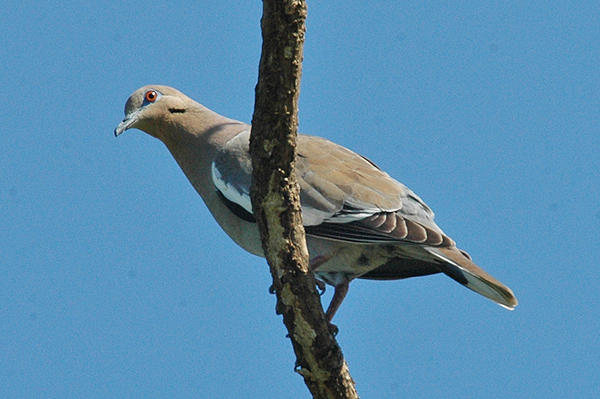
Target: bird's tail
459	267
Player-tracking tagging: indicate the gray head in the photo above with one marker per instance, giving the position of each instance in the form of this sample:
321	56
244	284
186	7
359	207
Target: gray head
153	108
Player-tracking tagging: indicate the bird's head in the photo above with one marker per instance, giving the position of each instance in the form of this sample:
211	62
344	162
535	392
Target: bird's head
155	110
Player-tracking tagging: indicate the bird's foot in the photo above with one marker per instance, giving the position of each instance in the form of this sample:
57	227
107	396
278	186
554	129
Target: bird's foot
321	286
333	329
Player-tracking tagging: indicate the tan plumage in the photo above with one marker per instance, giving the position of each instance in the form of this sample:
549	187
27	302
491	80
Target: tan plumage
360	222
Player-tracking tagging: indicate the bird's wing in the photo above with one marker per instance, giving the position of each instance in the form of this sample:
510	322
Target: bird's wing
347	197
232	175
344	196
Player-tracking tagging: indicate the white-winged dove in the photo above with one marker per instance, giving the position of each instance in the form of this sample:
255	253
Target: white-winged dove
360	222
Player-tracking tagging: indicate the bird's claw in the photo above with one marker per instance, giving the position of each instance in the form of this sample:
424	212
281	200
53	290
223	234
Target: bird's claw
321	286
333	329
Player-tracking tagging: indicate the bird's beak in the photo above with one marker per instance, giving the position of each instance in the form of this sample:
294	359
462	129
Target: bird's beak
127	123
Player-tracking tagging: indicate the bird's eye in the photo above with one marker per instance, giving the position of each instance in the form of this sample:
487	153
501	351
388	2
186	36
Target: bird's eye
151	96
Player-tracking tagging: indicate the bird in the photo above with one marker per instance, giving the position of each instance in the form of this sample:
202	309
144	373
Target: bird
359	221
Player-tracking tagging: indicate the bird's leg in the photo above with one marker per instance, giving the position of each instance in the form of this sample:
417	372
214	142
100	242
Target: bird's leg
341	289
314	263
339	294
321	286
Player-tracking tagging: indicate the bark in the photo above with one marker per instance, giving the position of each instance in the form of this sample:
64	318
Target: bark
276	201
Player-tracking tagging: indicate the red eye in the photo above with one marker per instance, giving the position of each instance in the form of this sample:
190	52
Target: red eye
151	96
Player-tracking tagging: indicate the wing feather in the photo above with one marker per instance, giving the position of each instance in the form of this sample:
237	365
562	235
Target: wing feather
344	195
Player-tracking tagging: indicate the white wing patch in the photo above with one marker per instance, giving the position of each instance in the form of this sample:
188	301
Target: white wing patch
347	216
233	193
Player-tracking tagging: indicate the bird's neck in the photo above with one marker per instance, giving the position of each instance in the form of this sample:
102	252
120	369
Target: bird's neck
195	151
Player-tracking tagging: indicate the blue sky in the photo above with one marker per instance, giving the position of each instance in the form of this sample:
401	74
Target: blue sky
115	282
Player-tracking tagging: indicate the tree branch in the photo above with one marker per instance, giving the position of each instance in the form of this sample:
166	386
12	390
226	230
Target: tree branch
276	201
